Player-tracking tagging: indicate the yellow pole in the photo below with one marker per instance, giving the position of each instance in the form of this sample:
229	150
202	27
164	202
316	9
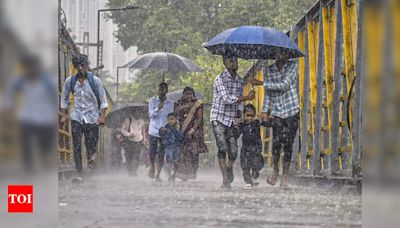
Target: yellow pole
374	35
349	14
313	31
329	25
260	91
374	38
396	41
313	58
313	39
301	44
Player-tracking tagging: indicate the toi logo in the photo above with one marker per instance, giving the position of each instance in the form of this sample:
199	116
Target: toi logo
20	198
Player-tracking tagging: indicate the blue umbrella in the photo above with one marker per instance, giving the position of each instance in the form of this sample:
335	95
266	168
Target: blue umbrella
253	42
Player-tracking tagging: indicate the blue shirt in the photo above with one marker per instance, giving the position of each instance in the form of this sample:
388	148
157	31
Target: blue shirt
158	118
171	137
85	102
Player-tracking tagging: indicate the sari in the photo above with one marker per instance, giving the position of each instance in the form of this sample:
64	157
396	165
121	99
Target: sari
190	115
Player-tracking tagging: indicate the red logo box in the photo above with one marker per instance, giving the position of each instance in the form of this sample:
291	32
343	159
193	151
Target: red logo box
20	198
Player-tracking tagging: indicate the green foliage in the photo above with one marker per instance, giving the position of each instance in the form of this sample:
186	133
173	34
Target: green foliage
183	26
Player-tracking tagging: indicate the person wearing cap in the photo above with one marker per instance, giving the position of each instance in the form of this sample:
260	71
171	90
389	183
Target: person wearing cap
227	102
159	109
88	112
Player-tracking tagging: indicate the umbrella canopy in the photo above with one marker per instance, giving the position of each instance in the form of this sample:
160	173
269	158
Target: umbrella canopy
253	42
176	95
163	61
115	118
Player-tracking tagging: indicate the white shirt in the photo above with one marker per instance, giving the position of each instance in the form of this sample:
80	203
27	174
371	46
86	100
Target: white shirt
85	102
135	129
158	118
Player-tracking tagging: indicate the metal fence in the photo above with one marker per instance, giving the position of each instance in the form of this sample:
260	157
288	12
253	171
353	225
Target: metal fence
328	141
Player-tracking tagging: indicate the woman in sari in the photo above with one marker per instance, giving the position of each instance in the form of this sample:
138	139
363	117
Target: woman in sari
190	114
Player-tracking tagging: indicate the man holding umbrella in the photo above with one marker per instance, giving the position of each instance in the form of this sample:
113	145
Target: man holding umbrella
227	98
257	42
159	108
282	101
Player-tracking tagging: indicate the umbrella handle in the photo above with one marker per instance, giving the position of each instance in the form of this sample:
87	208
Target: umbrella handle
163	74
254	74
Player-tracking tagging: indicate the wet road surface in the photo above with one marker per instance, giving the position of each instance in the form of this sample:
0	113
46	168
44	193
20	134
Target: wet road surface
117	200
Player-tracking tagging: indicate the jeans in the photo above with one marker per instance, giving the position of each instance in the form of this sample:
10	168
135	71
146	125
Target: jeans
226	141
284	131
91	133
172	154
132	154
156	150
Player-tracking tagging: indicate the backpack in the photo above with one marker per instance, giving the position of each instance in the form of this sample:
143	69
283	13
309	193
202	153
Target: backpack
46	82
90	78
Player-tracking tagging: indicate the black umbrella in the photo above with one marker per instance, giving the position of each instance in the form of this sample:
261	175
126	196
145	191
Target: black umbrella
115	118
163	61
176	95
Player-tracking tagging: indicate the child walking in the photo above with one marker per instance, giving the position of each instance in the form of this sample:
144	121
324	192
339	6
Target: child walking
171	139
251	160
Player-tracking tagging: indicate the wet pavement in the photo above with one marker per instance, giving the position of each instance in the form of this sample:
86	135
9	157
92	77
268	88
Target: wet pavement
117	200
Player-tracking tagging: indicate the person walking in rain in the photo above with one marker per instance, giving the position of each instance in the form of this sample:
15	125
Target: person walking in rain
33	96
90	104
171	139
134	140
189	110
251	160
281	100
227	97
159	108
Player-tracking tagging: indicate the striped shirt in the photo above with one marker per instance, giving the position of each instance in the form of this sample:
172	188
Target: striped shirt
281	90
226	92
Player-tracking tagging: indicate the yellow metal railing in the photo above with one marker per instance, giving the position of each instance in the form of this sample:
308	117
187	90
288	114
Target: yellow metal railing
325	84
